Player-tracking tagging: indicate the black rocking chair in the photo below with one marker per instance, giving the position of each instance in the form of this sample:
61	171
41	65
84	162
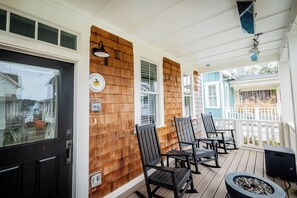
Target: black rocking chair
190	144
218	134
176	179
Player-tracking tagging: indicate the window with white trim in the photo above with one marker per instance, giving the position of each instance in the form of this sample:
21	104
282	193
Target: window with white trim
188	98
212	95
149	92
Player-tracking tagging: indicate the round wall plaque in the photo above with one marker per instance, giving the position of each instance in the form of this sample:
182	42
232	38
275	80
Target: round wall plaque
96	82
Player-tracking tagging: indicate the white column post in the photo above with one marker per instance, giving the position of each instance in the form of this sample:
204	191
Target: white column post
292	49
278	104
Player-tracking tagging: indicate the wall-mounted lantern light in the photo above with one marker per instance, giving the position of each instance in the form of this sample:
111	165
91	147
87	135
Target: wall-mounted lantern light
100	51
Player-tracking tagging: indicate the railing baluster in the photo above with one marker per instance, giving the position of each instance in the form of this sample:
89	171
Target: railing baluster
272	133
267	134
253	134
260	134
281	134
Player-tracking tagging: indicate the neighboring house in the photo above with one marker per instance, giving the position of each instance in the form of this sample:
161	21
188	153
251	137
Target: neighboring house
224	93
256	87
8	95
217	92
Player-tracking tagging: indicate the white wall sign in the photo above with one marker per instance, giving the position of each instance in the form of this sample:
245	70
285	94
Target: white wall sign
96	82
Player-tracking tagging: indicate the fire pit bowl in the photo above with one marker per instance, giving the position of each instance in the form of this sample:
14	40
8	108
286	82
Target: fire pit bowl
238	191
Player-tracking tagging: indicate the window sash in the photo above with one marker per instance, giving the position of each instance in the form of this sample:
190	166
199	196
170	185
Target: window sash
149	92
188	106
212	95
188	95
212	101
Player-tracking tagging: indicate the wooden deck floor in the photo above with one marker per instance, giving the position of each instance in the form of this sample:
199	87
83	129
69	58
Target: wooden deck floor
210	183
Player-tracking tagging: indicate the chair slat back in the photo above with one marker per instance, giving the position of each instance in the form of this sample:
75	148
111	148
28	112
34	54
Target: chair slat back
184	129
208	123
149	144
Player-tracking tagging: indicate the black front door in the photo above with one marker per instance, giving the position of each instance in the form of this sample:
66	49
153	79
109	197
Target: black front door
36	119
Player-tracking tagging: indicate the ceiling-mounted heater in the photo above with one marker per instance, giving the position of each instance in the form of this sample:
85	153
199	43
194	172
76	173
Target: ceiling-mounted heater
247	16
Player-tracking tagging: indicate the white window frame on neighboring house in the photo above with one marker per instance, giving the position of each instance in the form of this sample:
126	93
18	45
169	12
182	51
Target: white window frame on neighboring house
190	95
217	95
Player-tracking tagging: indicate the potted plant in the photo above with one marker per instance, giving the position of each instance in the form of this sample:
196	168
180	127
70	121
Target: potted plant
38	122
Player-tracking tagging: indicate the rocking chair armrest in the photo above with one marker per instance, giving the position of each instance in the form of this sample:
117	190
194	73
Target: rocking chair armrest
225	129
221	132
207	140
177	153
162	168
217	132
231	130
190	143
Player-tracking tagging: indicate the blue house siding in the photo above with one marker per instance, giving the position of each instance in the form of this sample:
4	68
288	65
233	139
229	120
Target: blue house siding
224	87
216	113
231	98
212	77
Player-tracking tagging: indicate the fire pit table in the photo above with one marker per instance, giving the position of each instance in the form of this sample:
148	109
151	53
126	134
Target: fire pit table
245	185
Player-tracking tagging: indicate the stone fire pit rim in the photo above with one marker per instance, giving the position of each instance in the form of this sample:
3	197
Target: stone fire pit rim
230	177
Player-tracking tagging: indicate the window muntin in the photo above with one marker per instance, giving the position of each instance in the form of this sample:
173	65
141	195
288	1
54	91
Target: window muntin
188	98
149	92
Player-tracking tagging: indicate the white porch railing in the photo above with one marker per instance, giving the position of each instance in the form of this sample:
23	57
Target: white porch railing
254	133
290	136
253	113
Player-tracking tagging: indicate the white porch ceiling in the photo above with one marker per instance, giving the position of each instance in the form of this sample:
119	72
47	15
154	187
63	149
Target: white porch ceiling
198	32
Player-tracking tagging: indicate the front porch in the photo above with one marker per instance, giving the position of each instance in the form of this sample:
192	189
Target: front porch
210	183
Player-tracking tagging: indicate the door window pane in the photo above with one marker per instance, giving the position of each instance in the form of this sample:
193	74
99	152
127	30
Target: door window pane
22	26
68	40
47	34
28	103
2	19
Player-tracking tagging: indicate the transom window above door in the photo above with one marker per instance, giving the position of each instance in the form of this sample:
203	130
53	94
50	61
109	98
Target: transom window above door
16	23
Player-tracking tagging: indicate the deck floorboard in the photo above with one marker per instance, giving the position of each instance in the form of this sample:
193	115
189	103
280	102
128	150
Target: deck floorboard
211	183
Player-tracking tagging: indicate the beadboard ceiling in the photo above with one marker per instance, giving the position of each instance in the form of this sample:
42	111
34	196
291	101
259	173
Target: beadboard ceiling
198	32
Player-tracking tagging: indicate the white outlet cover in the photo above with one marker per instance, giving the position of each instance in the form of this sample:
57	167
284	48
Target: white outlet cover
96	179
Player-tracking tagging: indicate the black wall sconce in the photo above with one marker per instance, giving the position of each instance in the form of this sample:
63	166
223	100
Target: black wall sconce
100	51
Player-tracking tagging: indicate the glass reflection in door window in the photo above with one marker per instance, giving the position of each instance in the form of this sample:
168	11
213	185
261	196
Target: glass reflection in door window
28	103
